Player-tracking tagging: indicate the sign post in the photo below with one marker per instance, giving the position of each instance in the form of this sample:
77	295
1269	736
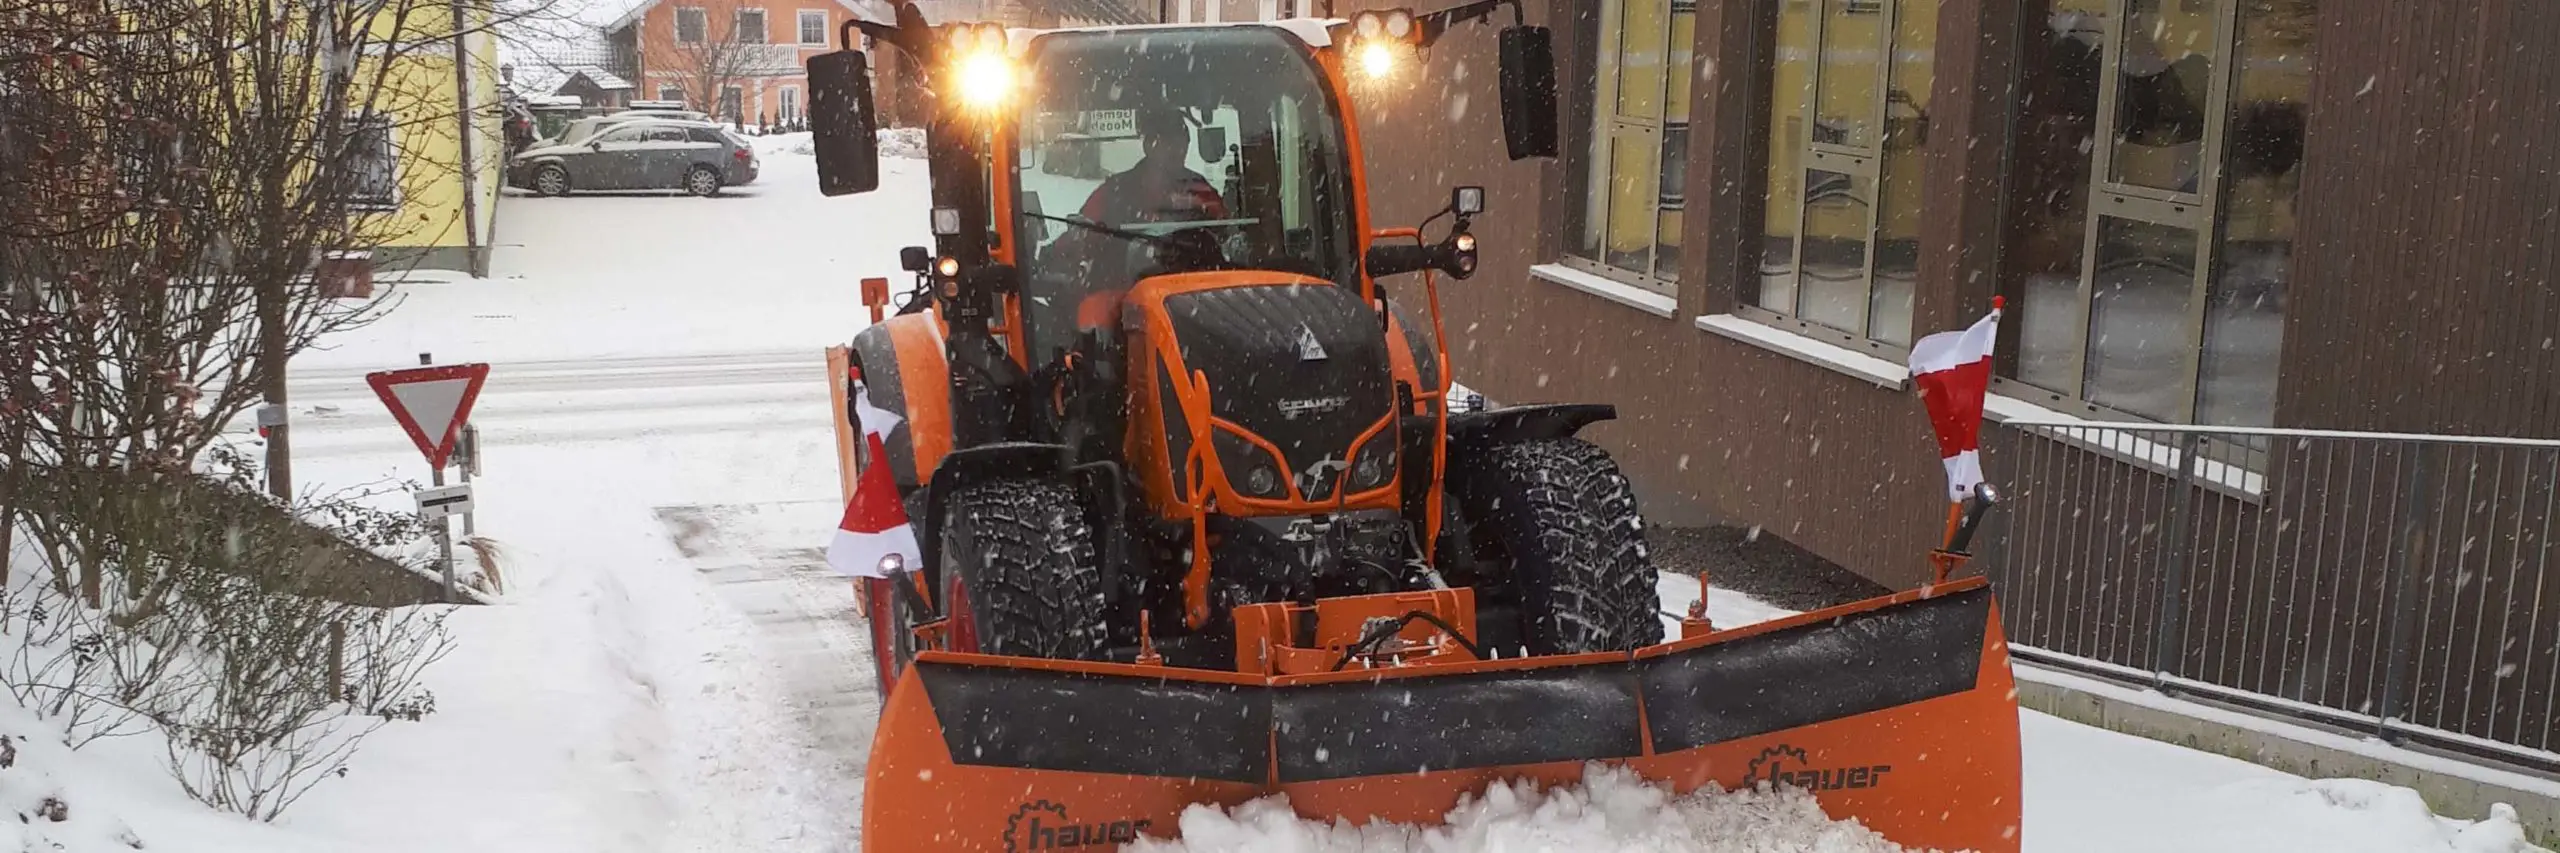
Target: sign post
466	458
432	403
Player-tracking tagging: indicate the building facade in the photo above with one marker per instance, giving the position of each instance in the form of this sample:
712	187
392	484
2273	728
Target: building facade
742	61
2227	214
431	147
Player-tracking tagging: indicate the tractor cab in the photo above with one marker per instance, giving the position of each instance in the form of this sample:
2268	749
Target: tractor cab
1145	153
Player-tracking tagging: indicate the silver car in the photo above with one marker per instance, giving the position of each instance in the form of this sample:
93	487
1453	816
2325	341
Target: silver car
640	154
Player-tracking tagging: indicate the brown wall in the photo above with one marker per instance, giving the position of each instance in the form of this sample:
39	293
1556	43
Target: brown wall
1711	430
2423	297
2419	302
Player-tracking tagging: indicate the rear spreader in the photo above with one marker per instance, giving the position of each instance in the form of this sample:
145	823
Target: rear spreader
1197	520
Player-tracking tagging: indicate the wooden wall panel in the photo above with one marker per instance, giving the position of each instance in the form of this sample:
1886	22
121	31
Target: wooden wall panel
2421	298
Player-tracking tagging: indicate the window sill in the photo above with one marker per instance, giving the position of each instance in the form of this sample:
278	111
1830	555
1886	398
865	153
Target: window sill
1885	374
2120	441
1628	295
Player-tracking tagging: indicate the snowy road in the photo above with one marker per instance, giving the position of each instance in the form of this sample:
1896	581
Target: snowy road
673	671
535	403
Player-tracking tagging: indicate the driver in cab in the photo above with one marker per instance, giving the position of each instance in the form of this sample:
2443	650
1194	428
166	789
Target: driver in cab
1159	188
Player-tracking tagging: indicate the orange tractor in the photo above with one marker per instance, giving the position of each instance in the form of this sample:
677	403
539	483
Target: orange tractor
1200	523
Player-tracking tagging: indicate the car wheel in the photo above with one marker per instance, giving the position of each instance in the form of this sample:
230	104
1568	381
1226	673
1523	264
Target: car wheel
551	180
702	181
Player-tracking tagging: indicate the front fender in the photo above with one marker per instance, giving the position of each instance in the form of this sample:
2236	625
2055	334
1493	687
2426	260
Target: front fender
962	468
906	373
1473	431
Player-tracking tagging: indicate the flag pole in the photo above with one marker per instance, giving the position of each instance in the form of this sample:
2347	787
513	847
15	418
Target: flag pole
1955	519
1943	560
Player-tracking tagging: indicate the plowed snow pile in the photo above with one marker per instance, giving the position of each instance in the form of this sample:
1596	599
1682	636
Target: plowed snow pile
1611	811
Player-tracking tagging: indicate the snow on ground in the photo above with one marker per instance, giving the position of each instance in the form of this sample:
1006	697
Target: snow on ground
671	669
895	143
2096	791
769	267
1612	809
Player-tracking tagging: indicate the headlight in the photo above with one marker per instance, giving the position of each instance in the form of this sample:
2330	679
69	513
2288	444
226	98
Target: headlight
1376	58
1251	470
986	77
1375	464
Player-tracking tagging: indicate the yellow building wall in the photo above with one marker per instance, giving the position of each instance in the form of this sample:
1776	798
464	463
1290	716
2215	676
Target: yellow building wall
419	93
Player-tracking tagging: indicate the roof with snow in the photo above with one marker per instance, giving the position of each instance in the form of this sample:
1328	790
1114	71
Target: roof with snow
602	79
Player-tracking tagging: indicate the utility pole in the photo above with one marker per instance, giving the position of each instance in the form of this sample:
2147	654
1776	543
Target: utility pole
470	166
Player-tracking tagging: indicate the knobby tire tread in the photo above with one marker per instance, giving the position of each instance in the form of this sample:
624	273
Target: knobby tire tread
1027	556
1569	519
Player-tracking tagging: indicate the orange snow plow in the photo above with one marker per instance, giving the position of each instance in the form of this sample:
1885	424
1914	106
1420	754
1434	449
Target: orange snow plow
1897	712
1196	519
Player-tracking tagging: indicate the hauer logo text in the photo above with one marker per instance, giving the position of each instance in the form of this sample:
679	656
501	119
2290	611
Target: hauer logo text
1787	765
1044	825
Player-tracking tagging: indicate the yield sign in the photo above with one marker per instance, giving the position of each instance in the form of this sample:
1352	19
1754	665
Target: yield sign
431	403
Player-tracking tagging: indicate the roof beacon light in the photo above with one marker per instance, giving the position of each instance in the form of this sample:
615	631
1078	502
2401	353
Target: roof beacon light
1399	24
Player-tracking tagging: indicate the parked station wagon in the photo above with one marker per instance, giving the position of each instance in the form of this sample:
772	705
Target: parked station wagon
641	154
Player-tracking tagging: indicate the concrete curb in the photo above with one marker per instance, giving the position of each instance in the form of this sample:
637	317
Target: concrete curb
2458	788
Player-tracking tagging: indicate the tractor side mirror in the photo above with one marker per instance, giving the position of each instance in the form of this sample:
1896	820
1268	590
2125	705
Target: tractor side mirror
843	131
1212	144
915	259
1528	75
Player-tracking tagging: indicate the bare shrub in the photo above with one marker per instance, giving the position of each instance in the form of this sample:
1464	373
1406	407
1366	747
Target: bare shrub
177	173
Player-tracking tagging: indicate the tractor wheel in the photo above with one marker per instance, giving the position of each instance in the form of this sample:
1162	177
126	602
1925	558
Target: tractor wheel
1019	571
1563	518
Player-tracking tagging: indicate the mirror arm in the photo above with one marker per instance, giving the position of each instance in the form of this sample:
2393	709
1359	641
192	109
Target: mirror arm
1435	24
911	34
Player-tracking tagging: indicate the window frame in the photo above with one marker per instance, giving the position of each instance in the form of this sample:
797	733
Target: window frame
679	96
702	24
356	127
787	99
735	109
1869	163
802	24
1597	172
738	29
2202	212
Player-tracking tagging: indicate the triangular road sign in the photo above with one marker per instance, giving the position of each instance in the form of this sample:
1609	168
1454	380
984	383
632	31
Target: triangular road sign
431	403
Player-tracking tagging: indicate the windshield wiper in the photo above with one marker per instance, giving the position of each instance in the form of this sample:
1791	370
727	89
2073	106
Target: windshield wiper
1100	228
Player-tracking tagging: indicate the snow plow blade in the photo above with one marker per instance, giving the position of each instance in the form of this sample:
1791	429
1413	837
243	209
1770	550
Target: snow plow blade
1897	712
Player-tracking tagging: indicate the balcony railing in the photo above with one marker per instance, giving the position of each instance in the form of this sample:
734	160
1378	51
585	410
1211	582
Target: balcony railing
2403	585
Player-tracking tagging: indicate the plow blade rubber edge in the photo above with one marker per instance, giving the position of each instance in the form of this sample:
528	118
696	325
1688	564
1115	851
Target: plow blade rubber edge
1897	712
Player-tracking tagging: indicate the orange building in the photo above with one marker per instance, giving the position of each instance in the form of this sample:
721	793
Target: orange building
739	60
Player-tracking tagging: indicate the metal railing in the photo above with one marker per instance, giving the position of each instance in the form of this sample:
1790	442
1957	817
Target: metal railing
2401	585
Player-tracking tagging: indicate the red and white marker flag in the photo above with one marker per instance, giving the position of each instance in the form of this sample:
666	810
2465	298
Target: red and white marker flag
1953	372
875	524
